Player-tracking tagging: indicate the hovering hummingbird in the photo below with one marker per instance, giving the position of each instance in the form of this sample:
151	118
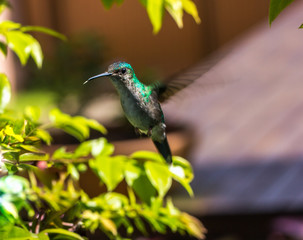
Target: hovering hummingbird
141	103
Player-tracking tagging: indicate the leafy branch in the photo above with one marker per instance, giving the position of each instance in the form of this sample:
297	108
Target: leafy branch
156	8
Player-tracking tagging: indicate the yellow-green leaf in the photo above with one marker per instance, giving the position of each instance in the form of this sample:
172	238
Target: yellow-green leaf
175	9
276	7
5	92
10	132
159	176
190	7
33	157
155	12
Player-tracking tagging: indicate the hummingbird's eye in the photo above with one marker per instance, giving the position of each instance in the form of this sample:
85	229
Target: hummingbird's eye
123	70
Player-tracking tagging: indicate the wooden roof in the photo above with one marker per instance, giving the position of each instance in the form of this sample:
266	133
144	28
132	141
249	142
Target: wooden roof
248	154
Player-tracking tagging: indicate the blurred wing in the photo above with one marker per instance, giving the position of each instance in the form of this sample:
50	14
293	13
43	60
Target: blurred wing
182	80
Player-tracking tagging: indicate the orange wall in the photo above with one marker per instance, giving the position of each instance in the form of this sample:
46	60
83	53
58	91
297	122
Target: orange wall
128	32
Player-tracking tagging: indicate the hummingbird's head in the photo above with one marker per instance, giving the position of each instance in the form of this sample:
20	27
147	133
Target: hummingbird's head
119	71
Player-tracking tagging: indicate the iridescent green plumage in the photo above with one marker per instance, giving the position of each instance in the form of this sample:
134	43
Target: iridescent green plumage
140	105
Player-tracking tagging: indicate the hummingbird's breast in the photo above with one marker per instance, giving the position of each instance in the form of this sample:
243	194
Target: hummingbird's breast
141	114
143	111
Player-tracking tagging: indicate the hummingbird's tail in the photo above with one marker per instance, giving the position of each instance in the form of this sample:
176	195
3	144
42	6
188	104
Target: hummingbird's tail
164	150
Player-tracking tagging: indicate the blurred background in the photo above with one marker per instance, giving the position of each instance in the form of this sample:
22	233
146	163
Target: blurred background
242	130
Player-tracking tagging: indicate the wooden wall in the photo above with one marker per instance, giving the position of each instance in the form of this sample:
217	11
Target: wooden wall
128	32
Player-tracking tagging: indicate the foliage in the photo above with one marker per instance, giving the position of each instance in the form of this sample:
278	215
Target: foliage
56	205
40	193
155	10
276	7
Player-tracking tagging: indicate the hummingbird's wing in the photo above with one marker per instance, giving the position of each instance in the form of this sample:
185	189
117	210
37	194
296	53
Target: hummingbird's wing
187	77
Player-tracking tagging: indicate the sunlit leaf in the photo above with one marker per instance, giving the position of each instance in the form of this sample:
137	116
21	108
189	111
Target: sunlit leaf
146	155
190	7
10	132
9	25
109	169
109	225
132	172
61	153
94	125
69	124
64	232
31	148
24	45
301	26
175	9
276	7
44	136
43	236
3	5
33	157
95	147
5	92
43	30
159	176
155	13
72	170
32	113
194	226
16	233
9	208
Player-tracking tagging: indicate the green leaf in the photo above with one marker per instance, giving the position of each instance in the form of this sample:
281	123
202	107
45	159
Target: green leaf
3	5
24	45
13	185
181	171
109	169
5	92
301	26
44	136
16	233
8	130
3	48
146	155
276	7
132	172
73	171
44	30
91	123
69	124
62	231
190	7
96	147
107	3
155	13
36	52
33	157
43	236
8	208
31	148
61	153
175	9
32	113
159	176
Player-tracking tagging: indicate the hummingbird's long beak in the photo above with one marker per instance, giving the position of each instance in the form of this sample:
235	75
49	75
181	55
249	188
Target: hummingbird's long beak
97	76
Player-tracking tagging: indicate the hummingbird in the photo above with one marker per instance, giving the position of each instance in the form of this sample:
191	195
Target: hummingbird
141	103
